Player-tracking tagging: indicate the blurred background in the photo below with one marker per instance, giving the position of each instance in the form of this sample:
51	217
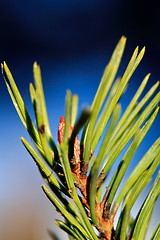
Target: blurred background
72	41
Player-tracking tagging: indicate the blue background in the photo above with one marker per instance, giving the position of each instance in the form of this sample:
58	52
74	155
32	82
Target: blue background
72	41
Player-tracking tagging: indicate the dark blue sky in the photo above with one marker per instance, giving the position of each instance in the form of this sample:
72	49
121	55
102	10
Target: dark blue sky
61	29
72	41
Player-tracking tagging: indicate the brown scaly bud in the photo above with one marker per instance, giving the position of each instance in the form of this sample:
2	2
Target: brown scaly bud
61	134
75	161
61	129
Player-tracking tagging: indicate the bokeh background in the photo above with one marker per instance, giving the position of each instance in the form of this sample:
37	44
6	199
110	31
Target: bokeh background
72	41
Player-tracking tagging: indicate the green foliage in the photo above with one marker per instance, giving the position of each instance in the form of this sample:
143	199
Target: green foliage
77	167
